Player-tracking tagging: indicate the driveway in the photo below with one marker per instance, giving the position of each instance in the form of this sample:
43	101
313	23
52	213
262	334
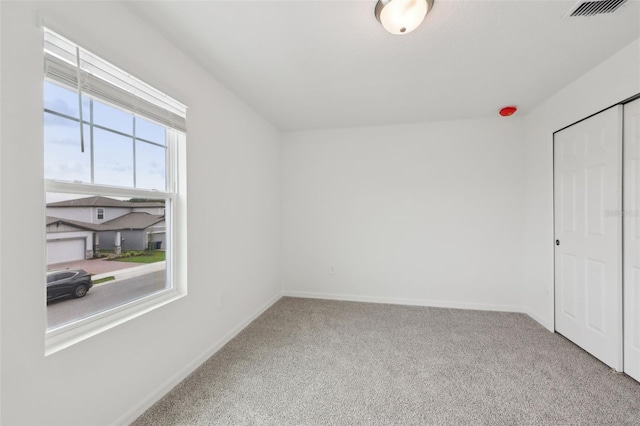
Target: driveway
94	266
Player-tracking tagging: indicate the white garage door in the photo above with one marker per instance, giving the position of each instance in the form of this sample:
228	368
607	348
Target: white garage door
65	250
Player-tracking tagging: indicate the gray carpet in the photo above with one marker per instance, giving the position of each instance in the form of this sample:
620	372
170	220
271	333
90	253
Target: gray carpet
319	362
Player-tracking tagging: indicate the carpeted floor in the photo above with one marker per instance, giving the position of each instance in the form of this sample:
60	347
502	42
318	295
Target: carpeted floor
319	362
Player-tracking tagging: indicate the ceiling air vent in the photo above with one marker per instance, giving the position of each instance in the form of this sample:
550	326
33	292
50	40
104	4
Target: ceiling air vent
598	7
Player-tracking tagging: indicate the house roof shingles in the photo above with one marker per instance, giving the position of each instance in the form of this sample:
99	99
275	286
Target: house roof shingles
131	221
75	223
98	201
136	220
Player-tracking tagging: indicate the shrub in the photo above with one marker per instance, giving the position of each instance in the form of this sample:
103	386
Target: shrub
129	253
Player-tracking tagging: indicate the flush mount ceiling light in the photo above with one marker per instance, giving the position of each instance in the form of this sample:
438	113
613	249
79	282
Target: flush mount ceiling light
402	16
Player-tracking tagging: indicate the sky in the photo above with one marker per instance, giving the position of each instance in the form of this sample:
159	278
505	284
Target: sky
113	153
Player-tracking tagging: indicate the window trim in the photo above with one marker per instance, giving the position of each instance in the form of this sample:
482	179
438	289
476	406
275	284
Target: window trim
70	334
100	213
103	81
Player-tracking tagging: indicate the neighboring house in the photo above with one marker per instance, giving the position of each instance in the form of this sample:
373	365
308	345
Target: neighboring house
137	230
76	229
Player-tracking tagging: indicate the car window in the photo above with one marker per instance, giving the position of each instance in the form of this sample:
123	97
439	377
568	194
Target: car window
65	275
51	278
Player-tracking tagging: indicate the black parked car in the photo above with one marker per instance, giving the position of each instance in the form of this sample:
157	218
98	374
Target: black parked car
74	282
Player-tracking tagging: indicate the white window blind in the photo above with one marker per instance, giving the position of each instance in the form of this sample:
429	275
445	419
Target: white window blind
102	80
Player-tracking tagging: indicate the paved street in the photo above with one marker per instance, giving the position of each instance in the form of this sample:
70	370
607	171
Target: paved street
102	297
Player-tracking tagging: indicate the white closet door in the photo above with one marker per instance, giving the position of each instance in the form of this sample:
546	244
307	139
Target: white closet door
588	229
632	239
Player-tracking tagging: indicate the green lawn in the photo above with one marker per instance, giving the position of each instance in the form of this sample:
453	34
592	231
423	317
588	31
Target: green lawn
104	280
148	257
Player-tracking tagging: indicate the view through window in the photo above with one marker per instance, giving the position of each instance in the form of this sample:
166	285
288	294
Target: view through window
119	260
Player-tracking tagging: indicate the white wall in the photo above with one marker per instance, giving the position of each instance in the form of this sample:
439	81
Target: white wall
1	224
614	80
87	214
420	214
234	226
82	214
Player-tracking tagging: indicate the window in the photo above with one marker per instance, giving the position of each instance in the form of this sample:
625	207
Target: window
114	145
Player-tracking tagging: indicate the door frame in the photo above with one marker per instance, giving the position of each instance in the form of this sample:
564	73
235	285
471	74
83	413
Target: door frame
624	314
621	283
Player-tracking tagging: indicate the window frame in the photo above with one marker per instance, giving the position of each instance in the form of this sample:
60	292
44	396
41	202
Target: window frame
100	213
63	336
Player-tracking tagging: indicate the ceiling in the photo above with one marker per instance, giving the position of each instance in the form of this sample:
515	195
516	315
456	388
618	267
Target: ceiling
325	64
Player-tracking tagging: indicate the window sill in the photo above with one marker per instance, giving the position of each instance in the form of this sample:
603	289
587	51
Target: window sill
67	335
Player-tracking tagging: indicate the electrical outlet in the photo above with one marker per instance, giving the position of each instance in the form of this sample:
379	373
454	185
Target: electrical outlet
332	269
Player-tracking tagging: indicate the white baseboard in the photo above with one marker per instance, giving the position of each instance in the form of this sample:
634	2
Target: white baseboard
422	302
142	406
402	301
546	324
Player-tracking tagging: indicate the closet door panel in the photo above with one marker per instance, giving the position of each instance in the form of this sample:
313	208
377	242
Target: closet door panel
588	229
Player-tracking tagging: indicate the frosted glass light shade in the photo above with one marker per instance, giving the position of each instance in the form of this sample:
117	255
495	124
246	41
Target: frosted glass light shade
402	16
